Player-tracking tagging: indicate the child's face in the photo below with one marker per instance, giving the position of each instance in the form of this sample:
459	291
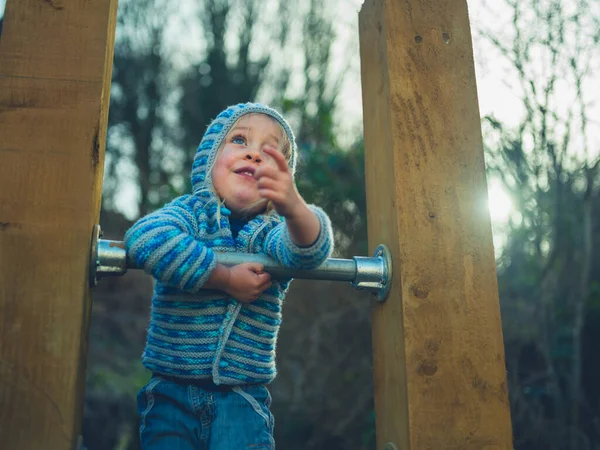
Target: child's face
239	157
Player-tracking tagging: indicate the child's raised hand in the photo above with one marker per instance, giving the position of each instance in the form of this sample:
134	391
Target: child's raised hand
247	281
275	183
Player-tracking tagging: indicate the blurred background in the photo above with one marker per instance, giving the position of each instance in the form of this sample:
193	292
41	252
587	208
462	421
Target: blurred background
178	63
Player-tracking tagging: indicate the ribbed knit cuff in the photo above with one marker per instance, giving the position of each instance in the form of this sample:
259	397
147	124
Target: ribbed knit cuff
311	256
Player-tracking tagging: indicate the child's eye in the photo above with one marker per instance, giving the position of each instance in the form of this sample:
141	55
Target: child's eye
239	140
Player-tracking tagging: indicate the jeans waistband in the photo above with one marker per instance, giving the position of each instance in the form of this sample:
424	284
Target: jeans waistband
203	383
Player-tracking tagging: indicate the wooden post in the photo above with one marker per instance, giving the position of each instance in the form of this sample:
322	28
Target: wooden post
55	70
440	379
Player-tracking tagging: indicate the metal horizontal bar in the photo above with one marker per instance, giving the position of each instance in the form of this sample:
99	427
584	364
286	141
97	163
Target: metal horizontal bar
109	258
113	260
333	269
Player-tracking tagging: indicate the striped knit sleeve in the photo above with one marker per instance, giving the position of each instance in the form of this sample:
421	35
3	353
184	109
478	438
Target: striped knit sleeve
164	245
280	246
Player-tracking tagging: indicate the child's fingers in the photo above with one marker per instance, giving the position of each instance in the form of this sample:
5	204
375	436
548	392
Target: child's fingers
267	183
270	194
265	282
266	171
264	278
255	267
278	158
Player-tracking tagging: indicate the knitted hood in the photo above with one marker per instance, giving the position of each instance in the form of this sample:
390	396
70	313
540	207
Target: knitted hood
216	132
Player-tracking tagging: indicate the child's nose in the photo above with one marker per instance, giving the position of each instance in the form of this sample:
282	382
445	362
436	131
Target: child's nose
253	155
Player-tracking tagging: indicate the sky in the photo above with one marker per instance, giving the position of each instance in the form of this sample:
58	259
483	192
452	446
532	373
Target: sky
497	94
493	98
494	92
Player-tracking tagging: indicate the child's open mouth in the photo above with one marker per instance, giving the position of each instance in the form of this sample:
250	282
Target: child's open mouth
246	172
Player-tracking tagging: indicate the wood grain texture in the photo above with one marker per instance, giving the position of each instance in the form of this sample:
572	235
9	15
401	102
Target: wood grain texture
55	67
439	367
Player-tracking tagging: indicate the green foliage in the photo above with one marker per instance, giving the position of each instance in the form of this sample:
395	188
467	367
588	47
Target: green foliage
214	83
333	178
548	270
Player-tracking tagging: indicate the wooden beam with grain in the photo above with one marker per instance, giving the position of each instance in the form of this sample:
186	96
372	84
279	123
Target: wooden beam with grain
55	70
439	366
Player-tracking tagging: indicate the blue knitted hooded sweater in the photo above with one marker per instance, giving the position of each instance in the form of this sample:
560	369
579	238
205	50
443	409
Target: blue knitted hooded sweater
197	333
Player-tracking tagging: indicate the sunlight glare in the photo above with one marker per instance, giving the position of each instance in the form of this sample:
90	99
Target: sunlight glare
500	204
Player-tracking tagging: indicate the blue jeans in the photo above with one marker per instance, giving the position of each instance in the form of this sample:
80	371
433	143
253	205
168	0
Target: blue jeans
178	416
